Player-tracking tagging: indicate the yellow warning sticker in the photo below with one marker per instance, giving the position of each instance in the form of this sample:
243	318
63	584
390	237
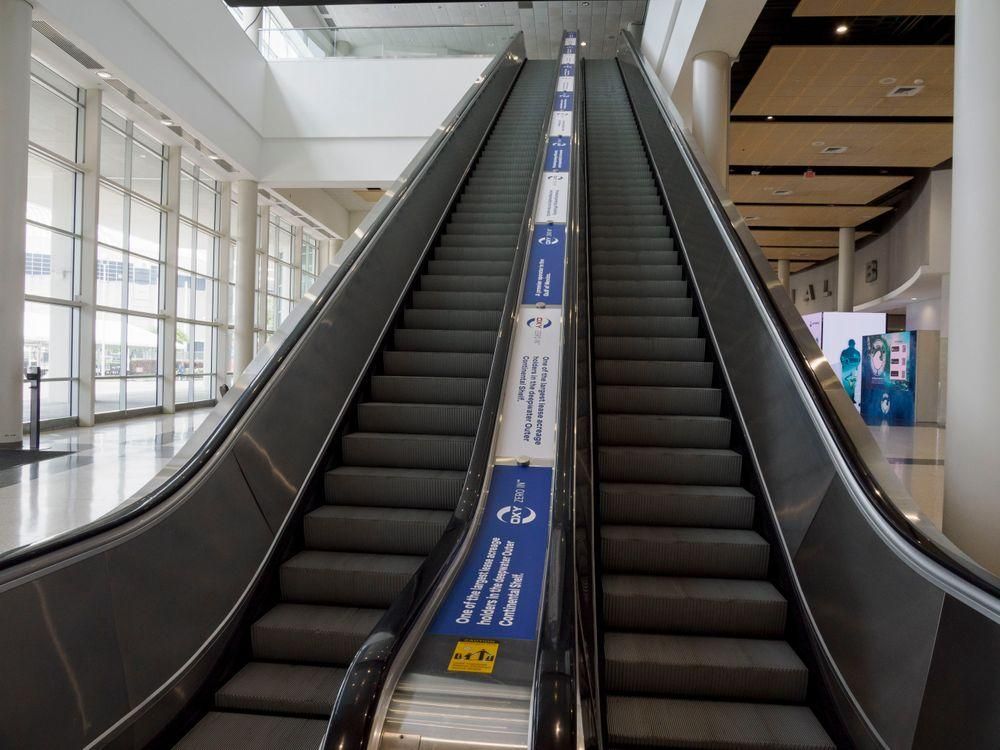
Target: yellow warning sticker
474	656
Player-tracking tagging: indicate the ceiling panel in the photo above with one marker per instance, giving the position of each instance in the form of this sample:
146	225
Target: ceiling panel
869	144
803	254
851	81
800	238
794	188
875	8
757	215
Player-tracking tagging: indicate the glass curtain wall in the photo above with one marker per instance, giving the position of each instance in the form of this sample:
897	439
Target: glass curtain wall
130	268
280	260
52	241
310	260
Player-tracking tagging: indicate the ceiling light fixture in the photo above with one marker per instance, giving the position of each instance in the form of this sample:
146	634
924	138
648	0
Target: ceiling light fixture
103	74
214	157
166	121
842	29
887	81
770	117
583	44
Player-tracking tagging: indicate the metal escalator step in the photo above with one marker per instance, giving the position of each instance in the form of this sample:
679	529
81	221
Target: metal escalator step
670	465
639	372
444	340
430	419
406	451
438	364
668	550
438	283
676	505
649	348
628	232
346	578
416	390
507	239
627	257
631	243
641	216
282	689
397	488
623	399
632	288
458	300
706	606
394	531
463	216
704	667
465	320
218	730
470	267
622	272
663	430
643	306
312	633
719	725
657	326
456	252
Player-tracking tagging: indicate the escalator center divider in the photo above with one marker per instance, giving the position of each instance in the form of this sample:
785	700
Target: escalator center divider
481	638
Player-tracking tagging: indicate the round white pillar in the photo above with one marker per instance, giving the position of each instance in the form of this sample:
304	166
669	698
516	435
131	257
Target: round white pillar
972	472
785	273
15	72
246	271
710	109
845	271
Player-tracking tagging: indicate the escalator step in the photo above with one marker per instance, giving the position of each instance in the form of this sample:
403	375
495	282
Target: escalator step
632	288
456	252
631	243
405	451
622	272
619	399
453	239
438	364
663	722
668	374
282	689
462	216
630	231
464	320
649	348
441	300
642	216
470	267
400	488
397	531
670	465
665	550
316	576
628	257
663	430
643	306
402	389
438	283
312	633
429	340
707	606
659	326
676	505
436	419
252	732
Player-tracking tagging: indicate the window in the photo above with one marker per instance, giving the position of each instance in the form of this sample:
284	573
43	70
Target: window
52	240
310	261
278	267
130	253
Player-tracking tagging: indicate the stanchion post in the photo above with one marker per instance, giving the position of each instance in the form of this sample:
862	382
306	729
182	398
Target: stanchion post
34	377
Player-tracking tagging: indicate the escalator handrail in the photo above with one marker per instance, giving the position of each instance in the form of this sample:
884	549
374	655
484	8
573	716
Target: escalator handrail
360	696
264	366
930	551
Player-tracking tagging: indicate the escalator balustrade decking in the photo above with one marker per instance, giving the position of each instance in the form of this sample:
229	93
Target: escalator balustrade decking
693	631
403	466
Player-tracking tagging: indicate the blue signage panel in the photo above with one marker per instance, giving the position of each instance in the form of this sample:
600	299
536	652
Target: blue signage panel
498	590
544	282
566	70
569	49
557	155
564	101
571	34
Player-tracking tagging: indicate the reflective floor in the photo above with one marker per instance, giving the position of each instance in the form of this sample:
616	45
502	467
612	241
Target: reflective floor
917	456
109	463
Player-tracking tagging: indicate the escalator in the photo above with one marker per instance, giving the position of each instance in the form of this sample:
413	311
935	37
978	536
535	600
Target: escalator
692	628
401	467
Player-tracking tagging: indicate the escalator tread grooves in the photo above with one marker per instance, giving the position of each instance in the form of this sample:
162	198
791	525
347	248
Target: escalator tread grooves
403	467
693	649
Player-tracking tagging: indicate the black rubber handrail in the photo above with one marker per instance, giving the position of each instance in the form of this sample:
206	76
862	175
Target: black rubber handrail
259	382
955	563
353	715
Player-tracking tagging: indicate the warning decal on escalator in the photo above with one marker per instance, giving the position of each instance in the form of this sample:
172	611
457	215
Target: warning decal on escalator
474	656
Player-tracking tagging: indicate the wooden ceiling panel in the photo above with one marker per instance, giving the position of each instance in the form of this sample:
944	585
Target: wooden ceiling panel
846	8
851	81
868	144
795	267
757	215
855	190
804	254
799	238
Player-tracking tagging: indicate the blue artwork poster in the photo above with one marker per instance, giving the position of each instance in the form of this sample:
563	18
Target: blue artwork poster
498	590
889	378
544	282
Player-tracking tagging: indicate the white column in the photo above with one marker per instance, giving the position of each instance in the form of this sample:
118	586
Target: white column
88	252
710	109
222	316
170	280
296	263
785	273
15	72
264	249
845	271
246	261
972	471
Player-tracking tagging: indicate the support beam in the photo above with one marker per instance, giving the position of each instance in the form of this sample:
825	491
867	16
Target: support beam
173	236
710	109
246	263
88	254
845	271
785	273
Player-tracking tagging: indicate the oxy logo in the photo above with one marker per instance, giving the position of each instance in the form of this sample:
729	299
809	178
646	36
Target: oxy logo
548	239
539	322
516	515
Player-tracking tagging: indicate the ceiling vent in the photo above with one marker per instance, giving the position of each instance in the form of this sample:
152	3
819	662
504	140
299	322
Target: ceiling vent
834	150
66	45
911	90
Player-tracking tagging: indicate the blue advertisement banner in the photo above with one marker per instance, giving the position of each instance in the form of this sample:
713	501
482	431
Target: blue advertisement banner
889	378
498	590
544	281
564	101
557	155
569	48
566	70
571	34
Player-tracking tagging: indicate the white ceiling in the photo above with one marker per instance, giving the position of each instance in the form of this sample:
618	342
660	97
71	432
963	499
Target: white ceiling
598	21
351	199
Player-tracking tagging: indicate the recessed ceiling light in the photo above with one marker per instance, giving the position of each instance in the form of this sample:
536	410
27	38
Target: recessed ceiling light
817	144
584	4
214	157
782	191
887	81
918	81
583	44
166	121
103	74
913	298
770	117
842	29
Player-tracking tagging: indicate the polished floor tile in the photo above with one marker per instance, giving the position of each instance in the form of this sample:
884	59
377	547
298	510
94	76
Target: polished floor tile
108	465
916	454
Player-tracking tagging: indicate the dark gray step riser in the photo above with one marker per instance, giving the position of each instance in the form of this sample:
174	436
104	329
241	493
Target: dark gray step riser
356	588
430	490
474	253
651	465
649	349
623	272
466	320
443	300
378	449
473	240
651	218
429	419
467	391
645	325
629	231
372	536
643	306
421	340
663	431
631	243
469	268
431	283
659	400
627	257
615	288
685	559
673	505
640	373
437	364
